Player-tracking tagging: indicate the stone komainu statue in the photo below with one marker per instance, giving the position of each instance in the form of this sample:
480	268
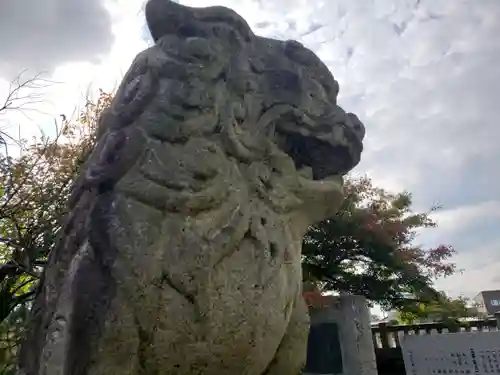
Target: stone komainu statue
181	253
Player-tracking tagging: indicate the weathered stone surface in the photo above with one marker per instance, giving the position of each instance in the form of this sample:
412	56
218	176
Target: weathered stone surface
181	254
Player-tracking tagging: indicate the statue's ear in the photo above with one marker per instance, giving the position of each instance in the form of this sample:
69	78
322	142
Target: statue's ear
166	17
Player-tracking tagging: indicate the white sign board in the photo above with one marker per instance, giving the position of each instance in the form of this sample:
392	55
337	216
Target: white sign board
474	353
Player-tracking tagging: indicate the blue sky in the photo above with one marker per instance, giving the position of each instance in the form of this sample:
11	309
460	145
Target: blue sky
423	75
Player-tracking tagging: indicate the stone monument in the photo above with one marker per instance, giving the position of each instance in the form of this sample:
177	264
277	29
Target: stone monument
340	338
181	252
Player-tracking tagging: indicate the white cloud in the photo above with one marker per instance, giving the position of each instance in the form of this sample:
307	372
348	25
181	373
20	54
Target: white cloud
462	217
480	272
41	34
473	231
73	80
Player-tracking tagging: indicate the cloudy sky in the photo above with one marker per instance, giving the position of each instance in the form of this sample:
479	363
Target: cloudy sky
424	76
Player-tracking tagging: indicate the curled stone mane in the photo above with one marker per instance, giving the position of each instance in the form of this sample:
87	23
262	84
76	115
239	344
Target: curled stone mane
181	253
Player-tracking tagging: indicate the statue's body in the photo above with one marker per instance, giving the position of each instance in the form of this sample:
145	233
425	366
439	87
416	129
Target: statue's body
181	254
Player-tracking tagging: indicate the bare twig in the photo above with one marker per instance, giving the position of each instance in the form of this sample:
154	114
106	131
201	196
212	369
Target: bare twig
18	99
24	95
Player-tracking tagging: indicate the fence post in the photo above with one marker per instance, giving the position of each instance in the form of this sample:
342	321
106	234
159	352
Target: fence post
384	335
497	317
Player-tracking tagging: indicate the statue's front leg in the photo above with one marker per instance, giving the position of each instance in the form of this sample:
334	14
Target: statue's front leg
290	357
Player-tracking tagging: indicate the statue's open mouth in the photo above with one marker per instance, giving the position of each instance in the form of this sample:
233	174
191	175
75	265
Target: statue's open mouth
319	156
